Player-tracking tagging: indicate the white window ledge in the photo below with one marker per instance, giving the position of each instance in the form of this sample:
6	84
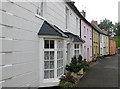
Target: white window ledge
40	17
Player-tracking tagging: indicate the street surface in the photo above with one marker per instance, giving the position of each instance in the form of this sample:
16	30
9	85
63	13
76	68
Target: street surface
103	74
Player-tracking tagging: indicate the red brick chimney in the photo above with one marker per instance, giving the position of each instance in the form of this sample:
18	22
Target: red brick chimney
104	31
94	22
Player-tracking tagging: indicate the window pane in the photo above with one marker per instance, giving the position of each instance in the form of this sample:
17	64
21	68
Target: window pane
60	54
75	46
60	44
77	52
61	71
52	55
46	55
58	72
51	73
46	45
62	62
51	44
58	63
51	64
46	64
57	54
46	74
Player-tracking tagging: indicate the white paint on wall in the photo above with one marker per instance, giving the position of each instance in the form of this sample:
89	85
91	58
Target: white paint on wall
19	53
102	45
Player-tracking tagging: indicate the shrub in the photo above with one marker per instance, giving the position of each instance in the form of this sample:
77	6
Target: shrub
68	84
74	66
85	66
80	59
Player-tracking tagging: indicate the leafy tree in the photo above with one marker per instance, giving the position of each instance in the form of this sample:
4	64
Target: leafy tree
117	28
106	25
117	31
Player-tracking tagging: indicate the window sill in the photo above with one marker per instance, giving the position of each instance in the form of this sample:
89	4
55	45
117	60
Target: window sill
40	17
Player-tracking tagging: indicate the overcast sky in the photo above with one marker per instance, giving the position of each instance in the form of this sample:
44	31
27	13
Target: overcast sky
99	9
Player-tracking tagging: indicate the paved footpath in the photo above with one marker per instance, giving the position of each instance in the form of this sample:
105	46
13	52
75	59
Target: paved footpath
103	74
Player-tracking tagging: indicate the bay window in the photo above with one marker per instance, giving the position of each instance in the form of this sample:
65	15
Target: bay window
76	50
59	57
53	54
49	59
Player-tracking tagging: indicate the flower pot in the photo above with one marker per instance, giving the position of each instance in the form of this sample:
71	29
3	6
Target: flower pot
74	74
80	72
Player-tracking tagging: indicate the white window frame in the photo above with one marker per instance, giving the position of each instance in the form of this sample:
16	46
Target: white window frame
55	49
49	50
40	8
67	17
77	49
60	58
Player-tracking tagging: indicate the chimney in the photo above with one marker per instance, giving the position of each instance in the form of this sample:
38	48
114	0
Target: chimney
83	13
104	31
73	2
94	22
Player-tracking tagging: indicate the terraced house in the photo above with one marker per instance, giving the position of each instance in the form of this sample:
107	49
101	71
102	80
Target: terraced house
112	46
106	43
86	34
39	39
100	41
96	40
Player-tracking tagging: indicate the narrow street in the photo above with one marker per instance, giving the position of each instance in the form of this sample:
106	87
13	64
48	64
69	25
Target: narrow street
103	74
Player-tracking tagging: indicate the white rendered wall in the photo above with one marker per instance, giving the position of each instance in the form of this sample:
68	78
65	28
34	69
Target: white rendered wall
19	54
54	12
102	44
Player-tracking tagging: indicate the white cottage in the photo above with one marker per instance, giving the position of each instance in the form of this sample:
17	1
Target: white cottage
37	40
102	45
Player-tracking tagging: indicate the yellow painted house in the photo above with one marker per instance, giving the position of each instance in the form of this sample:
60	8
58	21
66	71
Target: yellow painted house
106	43
96	41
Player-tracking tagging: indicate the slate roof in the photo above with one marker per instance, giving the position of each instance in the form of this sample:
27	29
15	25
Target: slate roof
74	8
76	37
49	29
98	29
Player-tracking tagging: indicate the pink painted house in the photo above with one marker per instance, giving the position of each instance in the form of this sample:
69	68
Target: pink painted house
86	34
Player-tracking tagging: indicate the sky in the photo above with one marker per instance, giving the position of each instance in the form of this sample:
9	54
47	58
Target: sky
99	9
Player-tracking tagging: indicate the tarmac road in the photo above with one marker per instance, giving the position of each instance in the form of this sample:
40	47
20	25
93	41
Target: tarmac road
103	74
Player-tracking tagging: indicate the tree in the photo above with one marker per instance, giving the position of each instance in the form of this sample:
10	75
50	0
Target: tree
117	28
117	31
106	25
